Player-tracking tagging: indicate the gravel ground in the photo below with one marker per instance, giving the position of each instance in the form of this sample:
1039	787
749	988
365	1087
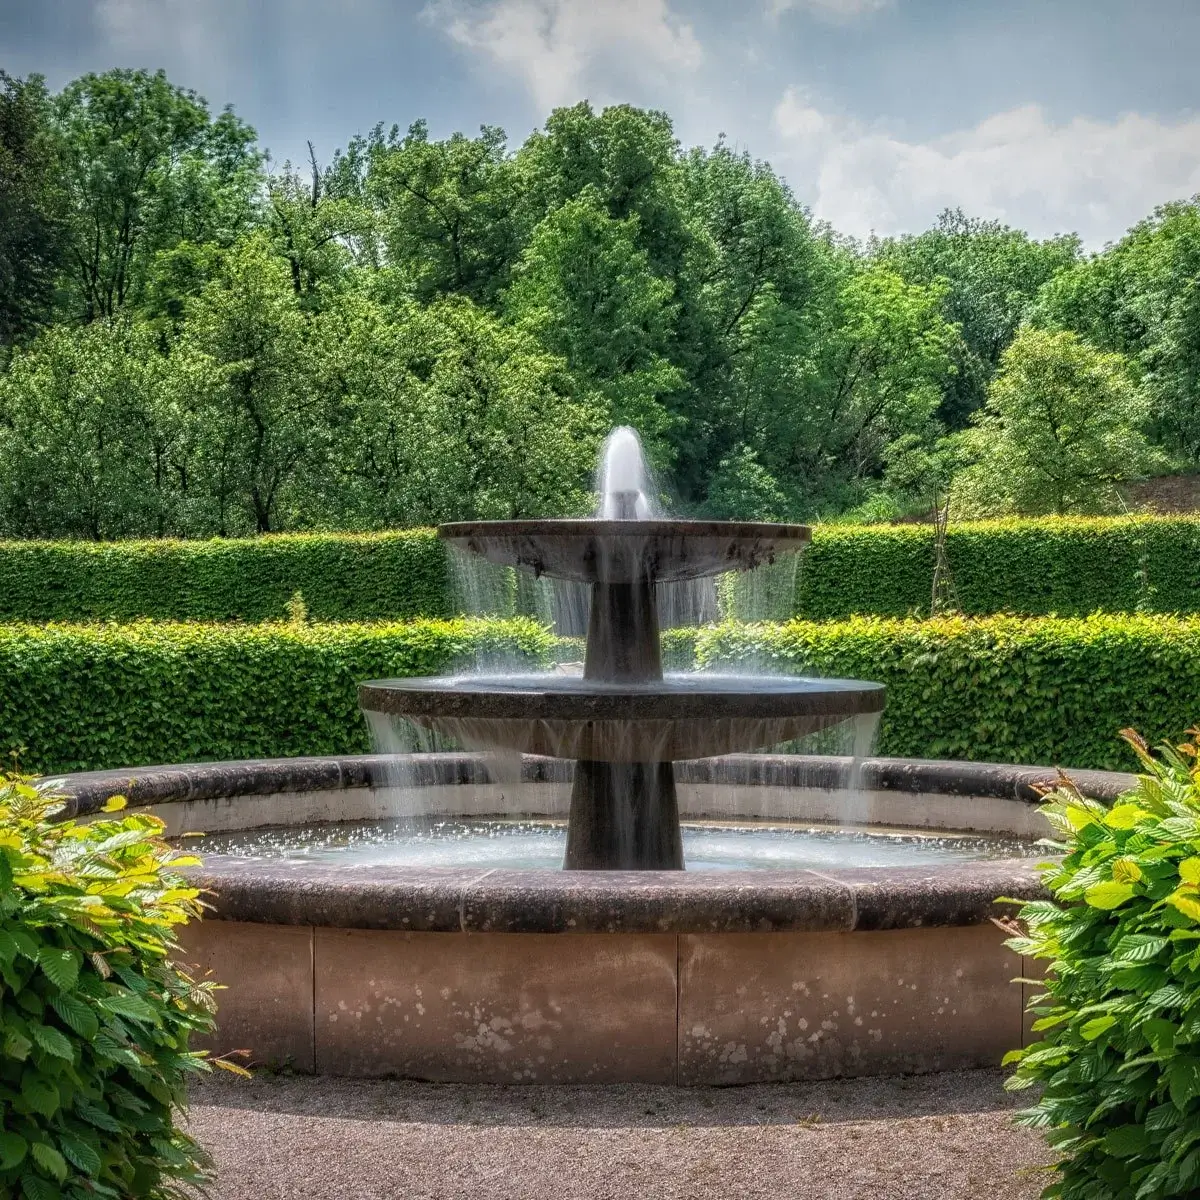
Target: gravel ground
944	1137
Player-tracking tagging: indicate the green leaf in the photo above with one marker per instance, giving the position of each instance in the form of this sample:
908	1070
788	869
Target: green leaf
52	1040
1184	1081
1108	895
80	1154
12	1150
61	966
1160	1034
39	1094
1091	1030
78	1014
1125	1141
49	1160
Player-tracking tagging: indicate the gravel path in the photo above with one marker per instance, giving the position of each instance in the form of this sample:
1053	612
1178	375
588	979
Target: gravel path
944	1137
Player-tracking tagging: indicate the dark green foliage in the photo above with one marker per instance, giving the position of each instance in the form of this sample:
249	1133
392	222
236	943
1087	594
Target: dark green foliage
1119	1059
94	1018
1000	689
81	697
343	577
1066	566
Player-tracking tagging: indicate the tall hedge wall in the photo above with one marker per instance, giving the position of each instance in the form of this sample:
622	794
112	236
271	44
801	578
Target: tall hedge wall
1068	566
1001	689
342	576
80	697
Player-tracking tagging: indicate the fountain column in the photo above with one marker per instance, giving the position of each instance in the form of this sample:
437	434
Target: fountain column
624	814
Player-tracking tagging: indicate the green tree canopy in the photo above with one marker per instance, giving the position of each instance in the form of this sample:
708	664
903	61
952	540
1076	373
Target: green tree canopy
1061	428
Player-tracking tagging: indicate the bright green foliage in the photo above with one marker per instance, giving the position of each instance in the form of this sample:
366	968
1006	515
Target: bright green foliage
587	292
79	697
1061	428
997	689
993	275
343	576
145	166
95	1019
31	209
1141	298
1119	1059
1071	566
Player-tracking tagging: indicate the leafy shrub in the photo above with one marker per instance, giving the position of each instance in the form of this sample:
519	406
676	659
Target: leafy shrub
94	1018
999	689
81	697
1119	1062
1068	566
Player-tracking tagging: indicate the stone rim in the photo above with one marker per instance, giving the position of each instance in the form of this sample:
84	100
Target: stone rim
454	900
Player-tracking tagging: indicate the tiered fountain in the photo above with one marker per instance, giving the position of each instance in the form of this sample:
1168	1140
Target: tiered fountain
350	946
623	723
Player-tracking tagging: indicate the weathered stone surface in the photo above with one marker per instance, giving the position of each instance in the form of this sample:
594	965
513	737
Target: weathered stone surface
759	1007
266	971
499	1008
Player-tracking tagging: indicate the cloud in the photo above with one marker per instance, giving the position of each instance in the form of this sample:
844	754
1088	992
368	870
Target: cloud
562	50
1092	177
830	10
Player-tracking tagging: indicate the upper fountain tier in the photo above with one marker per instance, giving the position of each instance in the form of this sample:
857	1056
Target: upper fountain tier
626	550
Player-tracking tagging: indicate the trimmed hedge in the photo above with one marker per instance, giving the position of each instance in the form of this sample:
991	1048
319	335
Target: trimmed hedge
1069	566
1004	689
343	577
80	697
1053	691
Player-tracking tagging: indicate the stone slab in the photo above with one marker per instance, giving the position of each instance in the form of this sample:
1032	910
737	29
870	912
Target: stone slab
496	1008
266	1005
778	1006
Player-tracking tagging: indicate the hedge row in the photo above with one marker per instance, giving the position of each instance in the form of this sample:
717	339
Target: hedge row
342	576
86	697
1068	566
1001	689
1047	690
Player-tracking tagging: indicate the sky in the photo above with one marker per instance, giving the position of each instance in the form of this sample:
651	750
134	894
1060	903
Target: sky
1051	115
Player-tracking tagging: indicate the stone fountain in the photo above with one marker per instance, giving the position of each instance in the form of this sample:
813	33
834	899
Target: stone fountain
623	723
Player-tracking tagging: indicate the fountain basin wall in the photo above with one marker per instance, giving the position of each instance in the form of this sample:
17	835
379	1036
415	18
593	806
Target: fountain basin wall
667	977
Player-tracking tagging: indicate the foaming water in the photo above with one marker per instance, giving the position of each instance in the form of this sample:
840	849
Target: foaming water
539	845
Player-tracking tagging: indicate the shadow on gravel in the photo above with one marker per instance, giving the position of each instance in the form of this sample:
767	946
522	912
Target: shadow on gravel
623	1106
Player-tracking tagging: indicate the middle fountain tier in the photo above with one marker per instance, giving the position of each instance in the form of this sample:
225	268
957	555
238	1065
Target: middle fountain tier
622	722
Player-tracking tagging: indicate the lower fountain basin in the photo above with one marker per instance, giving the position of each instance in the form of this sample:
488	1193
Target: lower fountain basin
475	973
683	716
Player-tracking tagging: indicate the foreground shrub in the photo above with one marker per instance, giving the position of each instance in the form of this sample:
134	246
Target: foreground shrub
79	697
94	1018
1119	1063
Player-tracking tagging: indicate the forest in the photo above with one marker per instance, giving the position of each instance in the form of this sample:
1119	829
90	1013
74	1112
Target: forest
195	341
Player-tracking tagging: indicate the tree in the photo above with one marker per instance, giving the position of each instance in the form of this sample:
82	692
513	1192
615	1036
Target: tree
1141	298
31	244
89	429
258	422
830	400
447	210
1059	431
446	413
145	167
993	275
586	291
